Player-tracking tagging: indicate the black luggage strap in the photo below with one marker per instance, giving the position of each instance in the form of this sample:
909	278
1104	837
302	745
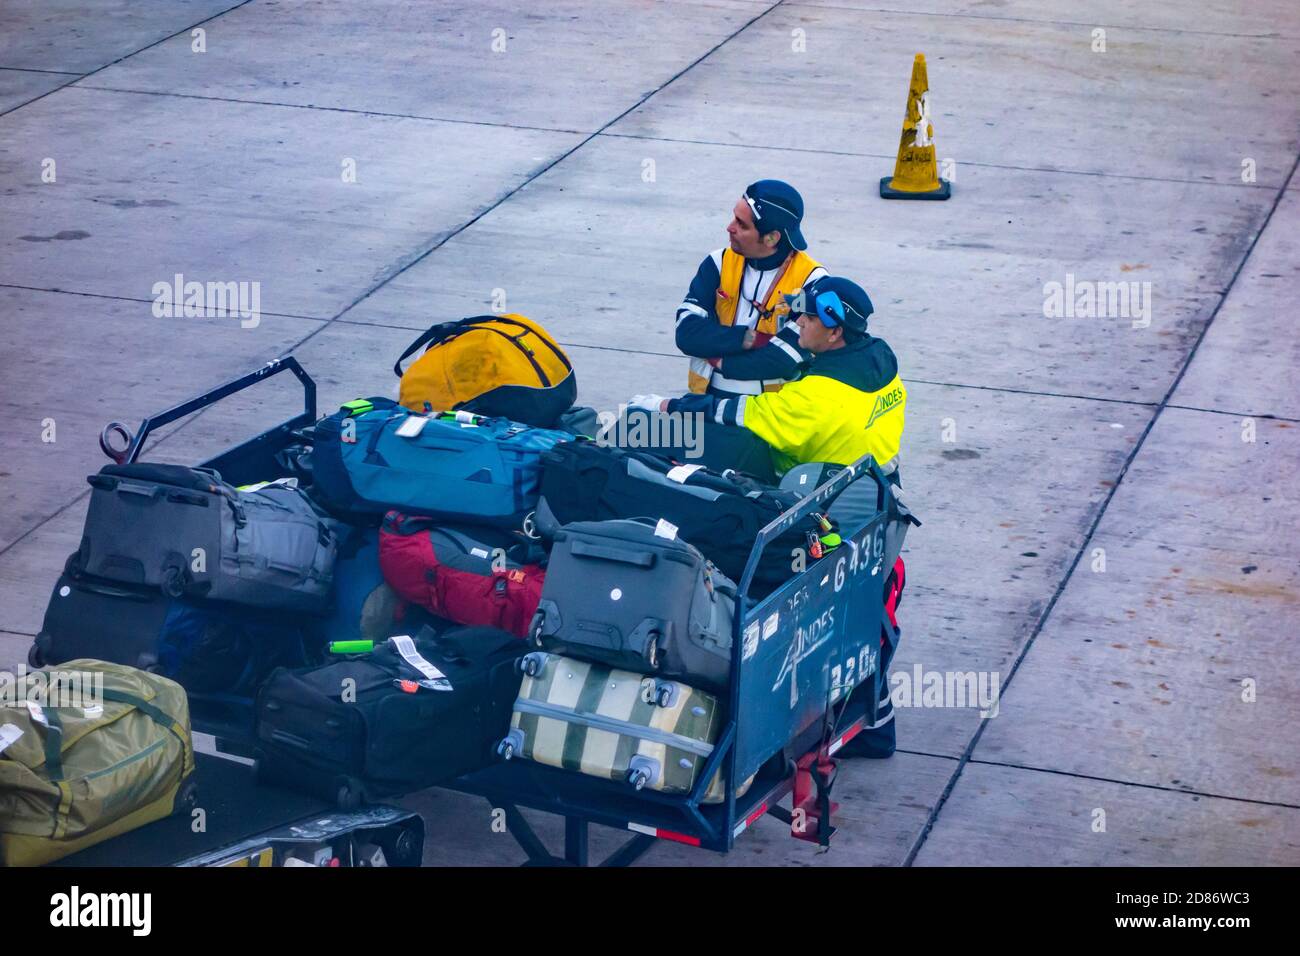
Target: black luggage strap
446	331
53	745
162	719
433	335
54	770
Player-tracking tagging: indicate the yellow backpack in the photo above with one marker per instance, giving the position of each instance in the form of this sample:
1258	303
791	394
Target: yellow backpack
496	365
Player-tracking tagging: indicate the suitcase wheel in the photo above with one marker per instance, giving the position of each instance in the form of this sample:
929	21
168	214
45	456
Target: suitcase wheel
173	582
350	793
535	629
187	798
511	744
34	657
641	771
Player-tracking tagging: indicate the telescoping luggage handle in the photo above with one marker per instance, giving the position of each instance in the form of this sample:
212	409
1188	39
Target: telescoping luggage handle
134	443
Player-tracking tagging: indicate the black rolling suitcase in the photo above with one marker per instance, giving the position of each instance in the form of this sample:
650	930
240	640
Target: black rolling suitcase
632	595
383	722
208	649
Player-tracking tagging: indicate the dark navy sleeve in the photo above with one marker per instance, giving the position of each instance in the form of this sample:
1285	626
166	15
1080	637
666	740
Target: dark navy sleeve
778	359
698	331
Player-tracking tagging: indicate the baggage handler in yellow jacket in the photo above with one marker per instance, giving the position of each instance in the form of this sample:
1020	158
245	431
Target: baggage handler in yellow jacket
848	403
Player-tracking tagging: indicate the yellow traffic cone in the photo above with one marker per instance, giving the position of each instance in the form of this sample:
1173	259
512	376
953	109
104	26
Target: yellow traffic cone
915	174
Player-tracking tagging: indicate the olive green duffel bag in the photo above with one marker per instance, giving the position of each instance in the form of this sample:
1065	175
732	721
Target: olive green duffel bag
88	750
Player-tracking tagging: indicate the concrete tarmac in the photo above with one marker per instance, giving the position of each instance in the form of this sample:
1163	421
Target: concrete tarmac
1112	517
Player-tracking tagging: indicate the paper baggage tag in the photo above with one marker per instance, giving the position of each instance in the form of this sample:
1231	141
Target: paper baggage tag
666	529
412	426
9	734
38	714
406	647
680	473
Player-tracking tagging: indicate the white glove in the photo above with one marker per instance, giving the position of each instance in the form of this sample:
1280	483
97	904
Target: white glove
648	402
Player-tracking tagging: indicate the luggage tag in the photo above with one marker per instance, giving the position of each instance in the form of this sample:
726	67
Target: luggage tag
463	418
359	406
680	473
412	426
37	713
434	679
9	735
666	529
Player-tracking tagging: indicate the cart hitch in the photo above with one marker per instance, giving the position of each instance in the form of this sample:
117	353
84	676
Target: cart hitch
814	776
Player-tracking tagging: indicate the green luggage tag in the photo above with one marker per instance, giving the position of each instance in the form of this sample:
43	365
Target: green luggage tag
351	647
358	406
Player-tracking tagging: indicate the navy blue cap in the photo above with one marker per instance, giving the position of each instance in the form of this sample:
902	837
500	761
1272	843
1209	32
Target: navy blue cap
777	206
853	300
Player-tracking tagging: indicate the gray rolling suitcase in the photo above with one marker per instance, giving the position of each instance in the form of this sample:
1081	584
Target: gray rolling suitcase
189	533
630	594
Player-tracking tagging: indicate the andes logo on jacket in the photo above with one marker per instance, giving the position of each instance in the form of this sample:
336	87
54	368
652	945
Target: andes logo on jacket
885	403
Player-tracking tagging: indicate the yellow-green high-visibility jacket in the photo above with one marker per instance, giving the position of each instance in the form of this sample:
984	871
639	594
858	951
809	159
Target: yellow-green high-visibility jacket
849	402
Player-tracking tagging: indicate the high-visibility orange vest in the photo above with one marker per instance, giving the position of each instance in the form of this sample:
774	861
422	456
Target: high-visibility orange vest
794	273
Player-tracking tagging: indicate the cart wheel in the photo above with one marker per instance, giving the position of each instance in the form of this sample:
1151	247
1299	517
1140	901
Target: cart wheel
406	852
173	582
638	779
34	657
530	665
506	750
664	696
349	794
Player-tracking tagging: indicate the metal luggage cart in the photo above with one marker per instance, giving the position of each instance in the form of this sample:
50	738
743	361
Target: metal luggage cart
797	655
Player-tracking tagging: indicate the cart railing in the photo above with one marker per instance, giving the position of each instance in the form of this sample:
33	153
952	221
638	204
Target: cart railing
135	442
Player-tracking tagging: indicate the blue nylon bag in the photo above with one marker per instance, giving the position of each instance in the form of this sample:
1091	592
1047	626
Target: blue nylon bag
458	466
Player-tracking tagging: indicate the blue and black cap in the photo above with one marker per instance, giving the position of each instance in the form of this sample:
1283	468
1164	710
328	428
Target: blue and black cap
835	301
777	205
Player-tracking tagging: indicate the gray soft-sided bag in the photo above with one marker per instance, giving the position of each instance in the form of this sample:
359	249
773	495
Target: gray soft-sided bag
189	533
619	593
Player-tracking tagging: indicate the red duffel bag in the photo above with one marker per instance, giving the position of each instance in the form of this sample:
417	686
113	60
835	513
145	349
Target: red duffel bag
483	577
